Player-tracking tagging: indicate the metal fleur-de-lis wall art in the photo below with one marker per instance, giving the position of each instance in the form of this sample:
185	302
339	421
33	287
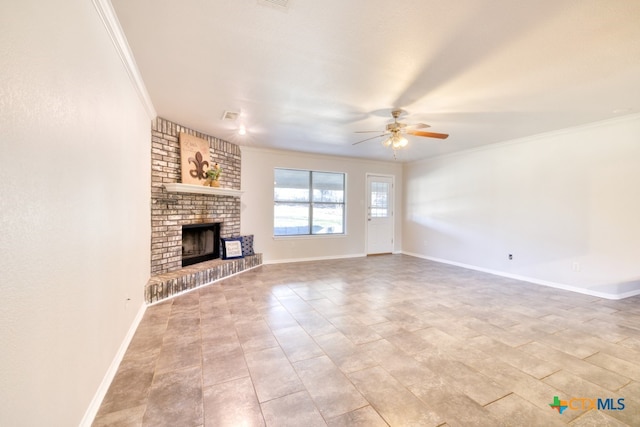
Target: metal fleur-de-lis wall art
199	172
195	159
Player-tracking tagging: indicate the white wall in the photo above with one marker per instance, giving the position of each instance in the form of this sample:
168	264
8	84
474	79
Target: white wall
257	204
564	204
74	209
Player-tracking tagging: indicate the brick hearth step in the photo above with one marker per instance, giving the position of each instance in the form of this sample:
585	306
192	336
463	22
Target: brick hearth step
170	284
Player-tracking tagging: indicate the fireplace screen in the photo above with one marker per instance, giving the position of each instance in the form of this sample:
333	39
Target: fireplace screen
200	242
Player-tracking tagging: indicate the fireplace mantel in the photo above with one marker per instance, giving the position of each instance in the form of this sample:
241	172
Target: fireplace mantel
201	189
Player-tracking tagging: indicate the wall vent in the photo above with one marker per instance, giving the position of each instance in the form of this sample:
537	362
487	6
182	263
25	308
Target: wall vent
281	4
230	115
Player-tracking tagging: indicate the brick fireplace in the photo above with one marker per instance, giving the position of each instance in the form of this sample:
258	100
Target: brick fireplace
170	211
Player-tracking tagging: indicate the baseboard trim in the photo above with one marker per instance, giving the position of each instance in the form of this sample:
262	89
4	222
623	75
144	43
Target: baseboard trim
326	258
584	291
94	406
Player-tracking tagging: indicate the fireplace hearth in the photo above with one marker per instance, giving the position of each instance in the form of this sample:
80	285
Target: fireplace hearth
200	242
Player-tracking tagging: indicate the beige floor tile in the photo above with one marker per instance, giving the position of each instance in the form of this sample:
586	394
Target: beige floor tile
295	304
272	374
565	341
357	332
277	317
410	342
345	354
130	417
478	386
404	368
331	391
631	390
309	291
232	404
389	340
130	387
595	418
575	386
516	357
513	410
588	371
623	353
293	410
175	399
632	343
363	417
179	355
218	366
297	343
314	323
395	403
447	403
222	340
255	335
497	333
524	385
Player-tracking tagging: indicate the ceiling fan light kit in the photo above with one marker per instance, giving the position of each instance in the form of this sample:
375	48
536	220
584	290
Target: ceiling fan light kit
397	130
395	141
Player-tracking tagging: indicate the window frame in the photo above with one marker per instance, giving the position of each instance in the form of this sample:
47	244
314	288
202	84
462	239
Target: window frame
310	204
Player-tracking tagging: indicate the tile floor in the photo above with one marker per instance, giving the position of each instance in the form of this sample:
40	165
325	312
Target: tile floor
386	340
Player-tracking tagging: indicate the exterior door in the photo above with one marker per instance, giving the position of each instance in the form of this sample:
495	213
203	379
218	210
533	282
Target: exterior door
379	214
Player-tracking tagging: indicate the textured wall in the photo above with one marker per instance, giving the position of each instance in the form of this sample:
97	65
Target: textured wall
74	209
564	204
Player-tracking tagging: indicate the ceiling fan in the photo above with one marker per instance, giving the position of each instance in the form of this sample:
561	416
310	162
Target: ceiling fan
396	130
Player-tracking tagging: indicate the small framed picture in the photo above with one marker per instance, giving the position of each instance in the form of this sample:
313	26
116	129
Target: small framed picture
232	248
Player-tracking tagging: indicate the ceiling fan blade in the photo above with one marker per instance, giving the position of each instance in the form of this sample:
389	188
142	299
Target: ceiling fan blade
366	131
418	126
373	137
428	134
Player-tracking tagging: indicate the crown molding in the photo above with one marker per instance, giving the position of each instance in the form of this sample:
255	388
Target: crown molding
111	23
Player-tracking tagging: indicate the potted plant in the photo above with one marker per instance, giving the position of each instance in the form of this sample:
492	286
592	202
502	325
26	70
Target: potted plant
213	174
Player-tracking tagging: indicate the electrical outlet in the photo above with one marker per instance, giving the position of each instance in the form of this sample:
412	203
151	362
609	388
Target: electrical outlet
510	256
575	266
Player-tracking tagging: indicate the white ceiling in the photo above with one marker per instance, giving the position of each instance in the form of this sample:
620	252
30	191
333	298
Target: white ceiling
308	76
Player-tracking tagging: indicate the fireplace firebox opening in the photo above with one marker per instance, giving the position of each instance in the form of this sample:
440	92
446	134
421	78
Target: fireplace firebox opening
200	242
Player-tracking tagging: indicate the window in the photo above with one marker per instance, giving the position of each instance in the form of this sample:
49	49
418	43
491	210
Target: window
308	202
380	199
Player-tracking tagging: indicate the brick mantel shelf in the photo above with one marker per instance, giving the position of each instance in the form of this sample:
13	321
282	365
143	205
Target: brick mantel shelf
201	189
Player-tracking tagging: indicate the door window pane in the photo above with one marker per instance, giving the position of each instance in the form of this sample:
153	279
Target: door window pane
379	200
